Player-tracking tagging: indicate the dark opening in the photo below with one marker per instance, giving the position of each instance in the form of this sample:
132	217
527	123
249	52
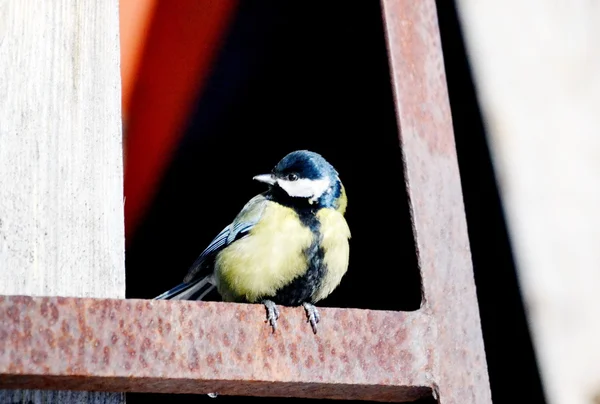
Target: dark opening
290	77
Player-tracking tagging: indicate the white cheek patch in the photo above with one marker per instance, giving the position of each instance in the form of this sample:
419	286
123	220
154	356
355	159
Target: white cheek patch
305	188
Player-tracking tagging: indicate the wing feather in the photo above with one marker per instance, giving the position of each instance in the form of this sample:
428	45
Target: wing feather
198	281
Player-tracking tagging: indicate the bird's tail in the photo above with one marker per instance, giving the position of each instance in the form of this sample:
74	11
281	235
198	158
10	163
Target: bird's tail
195	290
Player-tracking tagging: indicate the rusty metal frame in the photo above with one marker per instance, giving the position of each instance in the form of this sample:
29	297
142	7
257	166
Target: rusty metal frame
202	347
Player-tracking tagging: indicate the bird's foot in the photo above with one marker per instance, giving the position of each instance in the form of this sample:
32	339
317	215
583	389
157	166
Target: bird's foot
272	313
312	314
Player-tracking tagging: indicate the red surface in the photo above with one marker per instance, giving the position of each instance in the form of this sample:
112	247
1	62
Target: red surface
181	45
135	18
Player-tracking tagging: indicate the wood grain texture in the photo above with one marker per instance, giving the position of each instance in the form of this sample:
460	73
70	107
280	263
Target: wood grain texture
539	89
61	197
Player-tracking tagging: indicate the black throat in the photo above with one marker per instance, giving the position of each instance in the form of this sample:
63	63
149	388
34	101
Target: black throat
306	211
302	288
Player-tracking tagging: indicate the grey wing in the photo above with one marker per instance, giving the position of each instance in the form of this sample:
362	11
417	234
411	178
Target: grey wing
241	225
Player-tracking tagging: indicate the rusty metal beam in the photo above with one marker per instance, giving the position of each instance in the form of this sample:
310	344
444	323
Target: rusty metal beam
203	347
434	189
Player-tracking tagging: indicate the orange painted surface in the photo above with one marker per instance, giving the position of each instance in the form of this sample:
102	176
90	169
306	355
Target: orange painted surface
182	42
135	17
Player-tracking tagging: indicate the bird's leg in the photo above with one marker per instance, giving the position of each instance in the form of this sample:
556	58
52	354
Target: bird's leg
312	314
272	313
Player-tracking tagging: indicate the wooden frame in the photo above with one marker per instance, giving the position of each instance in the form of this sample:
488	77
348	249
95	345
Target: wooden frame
167	346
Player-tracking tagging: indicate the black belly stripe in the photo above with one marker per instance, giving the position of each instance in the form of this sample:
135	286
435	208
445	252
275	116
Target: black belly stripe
302	288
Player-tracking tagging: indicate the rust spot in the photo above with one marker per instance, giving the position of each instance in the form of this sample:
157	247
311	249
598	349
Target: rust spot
64	327
105	308
27	325
38	356
400	336
53	314
363	363
13	313
49	338
284	324
406	357
129	340
210	360
321	351
268	350
44	309
64	346
143	362
22	300
106	355
81	346
146	345
226	341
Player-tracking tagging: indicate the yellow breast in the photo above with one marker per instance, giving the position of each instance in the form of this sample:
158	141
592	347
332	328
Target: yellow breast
267	259
342	202
334	235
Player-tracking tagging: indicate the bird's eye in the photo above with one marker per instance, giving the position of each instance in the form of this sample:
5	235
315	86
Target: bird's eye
292	177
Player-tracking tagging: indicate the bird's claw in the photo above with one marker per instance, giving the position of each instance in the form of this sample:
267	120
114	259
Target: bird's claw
272	313
312	315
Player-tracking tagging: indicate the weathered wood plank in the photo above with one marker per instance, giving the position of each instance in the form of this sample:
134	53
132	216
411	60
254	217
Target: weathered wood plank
61	198
537	81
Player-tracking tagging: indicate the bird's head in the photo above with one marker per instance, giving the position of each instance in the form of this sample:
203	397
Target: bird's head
305	175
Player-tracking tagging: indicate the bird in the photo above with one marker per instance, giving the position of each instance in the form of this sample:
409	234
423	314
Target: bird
288	246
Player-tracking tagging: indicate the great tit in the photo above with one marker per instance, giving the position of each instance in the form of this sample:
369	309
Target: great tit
288	246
